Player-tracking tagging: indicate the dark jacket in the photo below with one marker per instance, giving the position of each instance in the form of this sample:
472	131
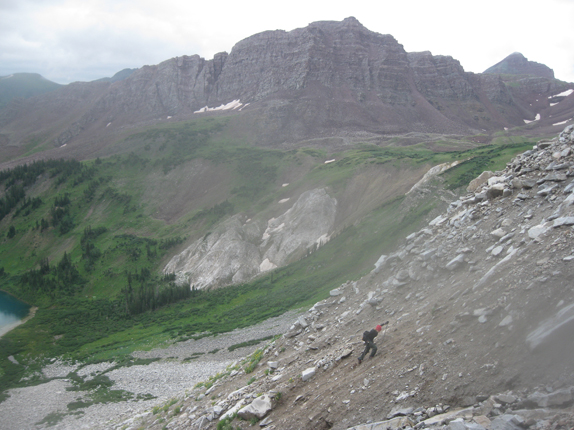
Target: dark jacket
371	335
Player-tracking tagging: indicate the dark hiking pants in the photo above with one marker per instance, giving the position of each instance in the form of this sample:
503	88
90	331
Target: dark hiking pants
369	346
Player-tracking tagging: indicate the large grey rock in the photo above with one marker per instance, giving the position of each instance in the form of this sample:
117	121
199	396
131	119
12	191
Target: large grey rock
428	254
506	422
559	222
556	398
567	135
259	408
538	230
380	263
398	412
465	413
233	410
479	180
555	177
494	191
457	425
398	423
455	263
308	374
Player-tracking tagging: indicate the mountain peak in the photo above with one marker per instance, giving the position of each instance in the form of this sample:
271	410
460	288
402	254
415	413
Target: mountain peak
351	20
518	64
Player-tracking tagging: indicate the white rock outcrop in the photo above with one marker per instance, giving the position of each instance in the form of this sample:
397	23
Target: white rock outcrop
238	250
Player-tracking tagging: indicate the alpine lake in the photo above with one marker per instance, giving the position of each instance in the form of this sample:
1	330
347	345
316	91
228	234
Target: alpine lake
12	311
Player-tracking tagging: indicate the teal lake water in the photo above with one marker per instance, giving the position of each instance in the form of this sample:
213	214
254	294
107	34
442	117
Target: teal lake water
11	311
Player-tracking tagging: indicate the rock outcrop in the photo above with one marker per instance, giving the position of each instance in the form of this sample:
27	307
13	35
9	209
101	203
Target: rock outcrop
240	249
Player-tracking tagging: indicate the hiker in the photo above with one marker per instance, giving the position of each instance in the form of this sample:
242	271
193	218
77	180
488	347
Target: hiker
369	339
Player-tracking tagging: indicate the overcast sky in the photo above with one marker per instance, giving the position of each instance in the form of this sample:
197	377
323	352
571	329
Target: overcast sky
83	40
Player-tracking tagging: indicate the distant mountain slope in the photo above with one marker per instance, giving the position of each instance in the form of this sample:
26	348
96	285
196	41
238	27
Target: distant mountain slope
518	64
328	84
24	85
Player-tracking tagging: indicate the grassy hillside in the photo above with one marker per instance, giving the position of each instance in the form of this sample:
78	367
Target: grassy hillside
86	242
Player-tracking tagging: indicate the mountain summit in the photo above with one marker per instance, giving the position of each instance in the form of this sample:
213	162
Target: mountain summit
518	64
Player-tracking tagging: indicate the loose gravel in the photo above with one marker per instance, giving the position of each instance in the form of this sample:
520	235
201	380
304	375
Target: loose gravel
179	368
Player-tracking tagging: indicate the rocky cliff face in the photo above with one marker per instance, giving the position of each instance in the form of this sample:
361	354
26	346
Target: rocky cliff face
240	249
327	79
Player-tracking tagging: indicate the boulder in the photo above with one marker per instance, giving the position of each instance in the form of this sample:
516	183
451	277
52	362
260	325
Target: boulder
478	181
398	423
495	191
567	135
400	412
455	263
308	373
380	263
428	254
498	233
258	409
556	398
346	353
302	322
457	425
507	422
537	230
559	222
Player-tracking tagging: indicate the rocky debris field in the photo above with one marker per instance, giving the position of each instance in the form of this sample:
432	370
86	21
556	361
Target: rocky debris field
153	377
480	308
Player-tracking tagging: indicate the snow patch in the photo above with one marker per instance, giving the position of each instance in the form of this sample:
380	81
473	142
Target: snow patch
563	94
330	161
109	123
284	200
285	185
536	118
229	106
562	122
553	104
